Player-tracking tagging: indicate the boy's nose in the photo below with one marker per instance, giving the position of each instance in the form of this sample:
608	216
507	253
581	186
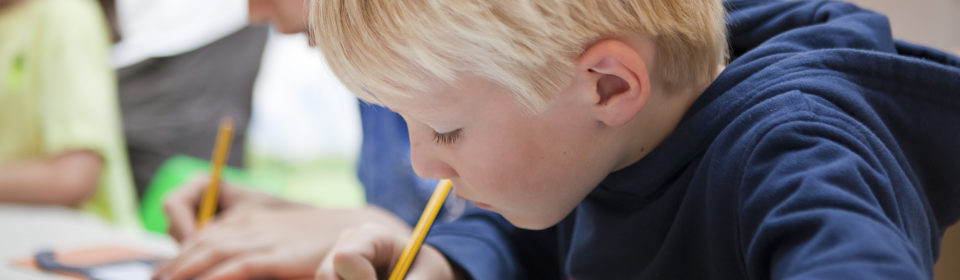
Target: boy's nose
427	163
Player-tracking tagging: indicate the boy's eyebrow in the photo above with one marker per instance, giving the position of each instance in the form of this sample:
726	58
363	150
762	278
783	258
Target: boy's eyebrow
438	121
394	109
435	122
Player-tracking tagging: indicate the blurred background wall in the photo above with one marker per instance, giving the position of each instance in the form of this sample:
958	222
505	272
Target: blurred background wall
305	125
931	22
934	23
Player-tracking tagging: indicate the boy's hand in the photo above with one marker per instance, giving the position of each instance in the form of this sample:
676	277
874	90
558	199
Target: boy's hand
371	251
259	242
181	206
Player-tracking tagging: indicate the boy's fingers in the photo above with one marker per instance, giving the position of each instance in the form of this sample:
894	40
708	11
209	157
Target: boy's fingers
430	264
362	253
326	271
351	266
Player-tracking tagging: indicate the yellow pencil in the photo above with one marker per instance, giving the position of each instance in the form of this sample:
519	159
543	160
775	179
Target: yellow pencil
220	154
421	230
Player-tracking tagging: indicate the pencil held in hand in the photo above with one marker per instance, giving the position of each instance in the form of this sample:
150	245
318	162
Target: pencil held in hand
421	230
220	153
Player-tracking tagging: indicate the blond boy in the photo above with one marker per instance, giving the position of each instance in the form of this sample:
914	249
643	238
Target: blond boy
615	124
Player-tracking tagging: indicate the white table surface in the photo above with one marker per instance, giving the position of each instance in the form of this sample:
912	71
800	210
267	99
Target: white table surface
26	229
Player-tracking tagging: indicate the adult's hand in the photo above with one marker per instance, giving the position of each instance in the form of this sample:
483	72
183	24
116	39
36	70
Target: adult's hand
269	242
181	206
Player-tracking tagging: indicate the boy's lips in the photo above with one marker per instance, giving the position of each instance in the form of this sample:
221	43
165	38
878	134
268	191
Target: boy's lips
480	205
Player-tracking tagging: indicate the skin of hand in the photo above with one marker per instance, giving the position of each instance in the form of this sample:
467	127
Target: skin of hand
260	236
181	206
371	251
66	179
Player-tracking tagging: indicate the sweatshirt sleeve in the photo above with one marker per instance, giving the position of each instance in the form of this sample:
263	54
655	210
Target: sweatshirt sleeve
828	201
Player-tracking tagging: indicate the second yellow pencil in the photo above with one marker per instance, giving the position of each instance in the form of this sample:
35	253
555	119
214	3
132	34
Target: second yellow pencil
220	153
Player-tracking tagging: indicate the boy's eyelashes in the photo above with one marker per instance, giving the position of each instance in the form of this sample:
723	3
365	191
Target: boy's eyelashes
447	138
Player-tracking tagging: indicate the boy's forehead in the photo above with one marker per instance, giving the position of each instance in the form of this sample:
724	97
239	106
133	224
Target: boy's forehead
432	106
442	102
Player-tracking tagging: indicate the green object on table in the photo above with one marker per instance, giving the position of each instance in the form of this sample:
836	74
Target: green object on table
178	170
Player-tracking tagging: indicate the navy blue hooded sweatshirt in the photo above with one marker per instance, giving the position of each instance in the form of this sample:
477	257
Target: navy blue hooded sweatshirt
825	150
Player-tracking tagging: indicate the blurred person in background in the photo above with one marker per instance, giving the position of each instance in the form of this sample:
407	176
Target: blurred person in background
182	65
61	141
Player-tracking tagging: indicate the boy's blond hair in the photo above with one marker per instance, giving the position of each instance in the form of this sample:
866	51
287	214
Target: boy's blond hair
394	47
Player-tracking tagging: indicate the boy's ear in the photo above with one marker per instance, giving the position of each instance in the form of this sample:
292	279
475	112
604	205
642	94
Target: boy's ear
616	80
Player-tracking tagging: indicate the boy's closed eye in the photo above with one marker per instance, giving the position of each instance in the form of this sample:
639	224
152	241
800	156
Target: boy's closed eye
448	137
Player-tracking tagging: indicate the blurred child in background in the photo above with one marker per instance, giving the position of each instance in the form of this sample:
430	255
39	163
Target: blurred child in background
61	138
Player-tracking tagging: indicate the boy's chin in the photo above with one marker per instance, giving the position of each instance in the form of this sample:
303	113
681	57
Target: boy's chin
530	222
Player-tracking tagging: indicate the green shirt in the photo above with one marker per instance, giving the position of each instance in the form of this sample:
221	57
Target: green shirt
58	92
